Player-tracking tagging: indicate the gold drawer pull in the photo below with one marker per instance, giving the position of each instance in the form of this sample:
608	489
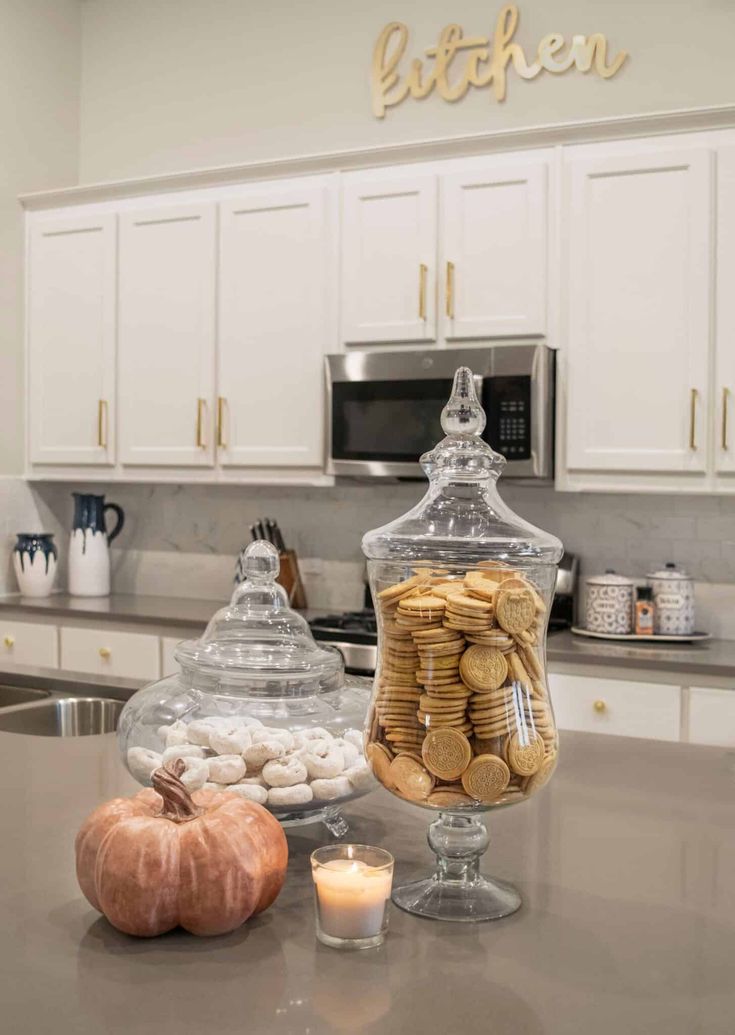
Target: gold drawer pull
693	418
105	652
102	423
725	401
221	403
201	404
450	290
9	641
423	270
600	707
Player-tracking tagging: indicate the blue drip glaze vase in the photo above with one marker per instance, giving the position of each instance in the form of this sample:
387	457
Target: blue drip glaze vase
35	558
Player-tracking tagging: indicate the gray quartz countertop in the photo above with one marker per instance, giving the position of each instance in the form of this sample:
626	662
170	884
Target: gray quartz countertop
625	863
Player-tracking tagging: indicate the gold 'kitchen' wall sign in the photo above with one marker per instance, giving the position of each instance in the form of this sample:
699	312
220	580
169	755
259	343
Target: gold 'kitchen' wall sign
485	61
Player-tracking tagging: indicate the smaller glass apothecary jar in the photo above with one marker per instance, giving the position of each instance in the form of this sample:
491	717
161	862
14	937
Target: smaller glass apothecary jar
258	708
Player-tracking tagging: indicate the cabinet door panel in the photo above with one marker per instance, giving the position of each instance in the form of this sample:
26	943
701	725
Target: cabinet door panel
622	707
29	643
273	327
711	716
166	335
71	340
725	320
389	260
110	652
639	311
493	229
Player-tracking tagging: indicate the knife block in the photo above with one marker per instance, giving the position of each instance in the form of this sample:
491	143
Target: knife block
290	578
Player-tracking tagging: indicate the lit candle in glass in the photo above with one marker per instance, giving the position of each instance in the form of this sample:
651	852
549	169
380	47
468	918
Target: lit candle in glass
352	885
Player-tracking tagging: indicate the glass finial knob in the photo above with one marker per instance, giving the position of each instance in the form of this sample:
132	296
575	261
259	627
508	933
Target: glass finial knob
463	414
261	562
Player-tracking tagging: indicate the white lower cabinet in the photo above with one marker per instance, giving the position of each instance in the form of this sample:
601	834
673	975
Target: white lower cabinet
29	643
109	652
711	716
628	709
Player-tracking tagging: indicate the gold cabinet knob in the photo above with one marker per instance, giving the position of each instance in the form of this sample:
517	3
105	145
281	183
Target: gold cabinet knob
105	652
600	707
9	641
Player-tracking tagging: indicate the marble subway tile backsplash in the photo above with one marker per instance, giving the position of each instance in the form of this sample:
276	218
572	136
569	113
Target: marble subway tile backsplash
183	539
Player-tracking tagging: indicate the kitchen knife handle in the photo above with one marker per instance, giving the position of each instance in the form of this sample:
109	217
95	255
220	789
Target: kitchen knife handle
725	402
693	418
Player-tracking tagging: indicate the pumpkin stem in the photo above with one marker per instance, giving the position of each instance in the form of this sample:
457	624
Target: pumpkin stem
178	804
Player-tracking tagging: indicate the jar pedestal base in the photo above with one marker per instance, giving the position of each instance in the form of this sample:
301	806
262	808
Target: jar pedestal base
457	891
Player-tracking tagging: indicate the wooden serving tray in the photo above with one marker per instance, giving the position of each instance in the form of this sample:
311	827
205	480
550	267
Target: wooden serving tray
695	637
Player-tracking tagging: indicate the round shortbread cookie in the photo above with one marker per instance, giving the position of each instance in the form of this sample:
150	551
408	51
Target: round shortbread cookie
446	753
515	609
380	759
424	605
525	753
541	777
483	667
411	778
445	798
464	602
399	589
485	778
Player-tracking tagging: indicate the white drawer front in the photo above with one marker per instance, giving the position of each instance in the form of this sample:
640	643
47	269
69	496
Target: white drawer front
711	716
28	643
615	706
109	653
169	664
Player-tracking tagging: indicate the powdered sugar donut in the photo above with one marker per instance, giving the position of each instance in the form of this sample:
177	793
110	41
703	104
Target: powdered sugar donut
360	775
274	733
304	737
196	773
258	754
250	791
328	790
174	735
226	768
183	751
142	762
255	781
284	772
354	737
231	741
299	794
200	730
350	753
323	759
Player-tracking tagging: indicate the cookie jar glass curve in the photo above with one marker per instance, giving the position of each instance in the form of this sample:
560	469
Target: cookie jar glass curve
257	708
460	720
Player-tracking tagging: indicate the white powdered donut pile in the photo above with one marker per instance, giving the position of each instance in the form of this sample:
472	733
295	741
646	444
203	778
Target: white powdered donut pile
266	764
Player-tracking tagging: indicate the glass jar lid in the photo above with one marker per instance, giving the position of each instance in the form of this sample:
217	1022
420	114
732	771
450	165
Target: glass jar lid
258	642
462	510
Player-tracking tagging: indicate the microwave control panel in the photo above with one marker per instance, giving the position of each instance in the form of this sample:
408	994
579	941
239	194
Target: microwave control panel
507	403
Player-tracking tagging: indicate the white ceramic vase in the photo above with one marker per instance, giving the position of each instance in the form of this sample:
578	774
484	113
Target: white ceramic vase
89	546
35	559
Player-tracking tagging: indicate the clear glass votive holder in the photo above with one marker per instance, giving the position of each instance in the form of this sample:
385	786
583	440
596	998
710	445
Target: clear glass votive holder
352	888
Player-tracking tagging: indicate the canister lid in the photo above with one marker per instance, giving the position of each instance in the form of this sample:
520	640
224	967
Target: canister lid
462	517
669	572
258	640
610	578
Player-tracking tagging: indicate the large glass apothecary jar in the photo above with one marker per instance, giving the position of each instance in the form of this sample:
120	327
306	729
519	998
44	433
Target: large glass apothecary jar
461	720
257	708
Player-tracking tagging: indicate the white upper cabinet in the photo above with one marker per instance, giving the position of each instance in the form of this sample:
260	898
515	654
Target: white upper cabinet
638	310
389	259
166	335
71	339
274	325
493	240
725	315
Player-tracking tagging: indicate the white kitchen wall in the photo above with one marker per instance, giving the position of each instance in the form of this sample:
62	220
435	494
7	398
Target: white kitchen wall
177	84
40	57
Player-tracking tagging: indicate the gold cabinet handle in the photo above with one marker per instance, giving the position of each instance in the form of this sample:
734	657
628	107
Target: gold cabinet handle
105	652
693	418
423	270
725	401
221	403
201	408
450	290
600	707
102	423
9	641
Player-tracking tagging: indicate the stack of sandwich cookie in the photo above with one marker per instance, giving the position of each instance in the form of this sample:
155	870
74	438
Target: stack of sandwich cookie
467	613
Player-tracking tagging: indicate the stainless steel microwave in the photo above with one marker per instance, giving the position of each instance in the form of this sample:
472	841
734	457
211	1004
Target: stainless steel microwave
384	407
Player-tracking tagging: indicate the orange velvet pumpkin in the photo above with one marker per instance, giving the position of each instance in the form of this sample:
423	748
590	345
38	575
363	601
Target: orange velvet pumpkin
165	858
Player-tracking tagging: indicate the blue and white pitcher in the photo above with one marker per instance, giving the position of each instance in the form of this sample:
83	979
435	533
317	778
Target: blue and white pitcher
89	547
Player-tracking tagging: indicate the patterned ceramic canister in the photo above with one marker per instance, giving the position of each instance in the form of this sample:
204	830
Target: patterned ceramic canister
609	606
673	597
34	562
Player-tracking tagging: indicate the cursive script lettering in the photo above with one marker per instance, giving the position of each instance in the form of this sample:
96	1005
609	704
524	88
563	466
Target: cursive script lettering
479	61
